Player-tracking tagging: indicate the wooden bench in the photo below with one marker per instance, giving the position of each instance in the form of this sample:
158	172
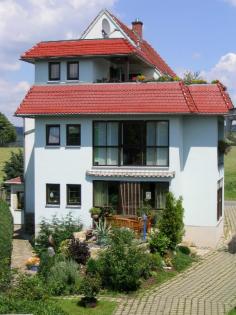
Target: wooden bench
133	223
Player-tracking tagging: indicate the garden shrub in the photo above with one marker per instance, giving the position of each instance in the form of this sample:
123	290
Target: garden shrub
90	286
181	261
64	278
79	251
6	236
28	286
56	229
158	243
10	305
121	264
184	249
171	221
46	263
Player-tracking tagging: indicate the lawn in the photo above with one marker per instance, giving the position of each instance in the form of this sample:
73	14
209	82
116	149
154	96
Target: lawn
70	306
5	154
230	174
232	312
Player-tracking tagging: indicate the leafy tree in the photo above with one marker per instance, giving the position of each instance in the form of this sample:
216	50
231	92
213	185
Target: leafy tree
14	167
7	131
171	222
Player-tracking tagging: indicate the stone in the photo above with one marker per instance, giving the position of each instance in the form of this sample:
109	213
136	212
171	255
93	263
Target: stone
80	236
232	245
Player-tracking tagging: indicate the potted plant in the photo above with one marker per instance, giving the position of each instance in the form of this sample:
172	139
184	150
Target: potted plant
223	147
33	263
95	212
89	288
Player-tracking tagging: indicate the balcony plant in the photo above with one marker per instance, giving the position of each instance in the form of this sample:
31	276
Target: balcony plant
95	212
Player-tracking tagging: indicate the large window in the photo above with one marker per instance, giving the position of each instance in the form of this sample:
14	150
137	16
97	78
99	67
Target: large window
52	135
73	195
134	143
73	135
106	143
53	194
128	197
54	71
157	143
72	71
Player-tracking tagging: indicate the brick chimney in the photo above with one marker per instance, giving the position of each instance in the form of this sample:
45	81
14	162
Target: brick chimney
137	27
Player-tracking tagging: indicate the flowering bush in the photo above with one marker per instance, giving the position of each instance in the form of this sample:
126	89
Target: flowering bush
33	261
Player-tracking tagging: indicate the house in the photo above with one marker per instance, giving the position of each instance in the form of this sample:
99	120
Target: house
97	136
16	187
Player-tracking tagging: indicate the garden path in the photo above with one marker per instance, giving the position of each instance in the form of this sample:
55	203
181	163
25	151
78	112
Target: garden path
21	251
207	288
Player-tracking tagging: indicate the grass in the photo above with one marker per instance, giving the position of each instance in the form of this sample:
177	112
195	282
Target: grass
230	174
5	154
71	307
232	312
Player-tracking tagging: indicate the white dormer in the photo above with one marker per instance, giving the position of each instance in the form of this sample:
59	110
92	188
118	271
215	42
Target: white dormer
104	26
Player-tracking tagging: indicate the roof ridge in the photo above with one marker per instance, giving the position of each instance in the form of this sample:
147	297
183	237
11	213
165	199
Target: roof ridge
188	97
225	95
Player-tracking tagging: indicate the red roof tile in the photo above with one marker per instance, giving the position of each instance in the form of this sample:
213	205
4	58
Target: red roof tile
84	47
146	98
16	180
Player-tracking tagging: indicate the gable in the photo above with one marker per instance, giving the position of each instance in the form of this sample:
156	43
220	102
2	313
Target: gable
103	22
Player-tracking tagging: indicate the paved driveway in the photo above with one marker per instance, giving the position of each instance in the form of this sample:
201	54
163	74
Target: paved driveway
207	288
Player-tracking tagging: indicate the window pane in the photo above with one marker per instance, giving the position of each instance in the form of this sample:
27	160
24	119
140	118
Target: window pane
100	133
112	133
100	194
162	133
151	130
112	156
54	71
99	156
73	194
73	71
53	194
53	135
160	192
162	156
73	134
151	156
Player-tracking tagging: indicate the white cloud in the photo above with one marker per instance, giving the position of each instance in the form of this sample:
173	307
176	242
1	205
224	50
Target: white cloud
26	22
232	2
11	95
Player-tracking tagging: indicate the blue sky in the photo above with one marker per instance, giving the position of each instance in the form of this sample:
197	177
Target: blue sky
189	35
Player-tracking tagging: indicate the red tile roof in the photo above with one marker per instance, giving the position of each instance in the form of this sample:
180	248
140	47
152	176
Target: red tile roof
94	47
83	47
146	49
145	98
16	180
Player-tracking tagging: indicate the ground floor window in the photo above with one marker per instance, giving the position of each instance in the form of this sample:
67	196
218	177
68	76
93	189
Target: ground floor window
53	194
20	200
127	197
219	200
73	195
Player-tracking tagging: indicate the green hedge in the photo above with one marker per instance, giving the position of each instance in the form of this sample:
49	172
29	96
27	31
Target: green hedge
6	233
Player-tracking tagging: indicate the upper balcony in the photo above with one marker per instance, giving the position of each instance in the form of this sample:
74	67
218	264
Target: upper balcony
92	70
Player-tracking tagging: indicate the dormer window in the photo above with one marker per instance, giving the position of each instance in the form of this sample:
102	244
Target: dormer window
54	71
72	70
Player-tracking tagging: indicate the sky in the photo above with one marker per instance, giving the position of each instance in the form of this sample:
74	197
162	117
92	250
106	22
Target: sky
190	35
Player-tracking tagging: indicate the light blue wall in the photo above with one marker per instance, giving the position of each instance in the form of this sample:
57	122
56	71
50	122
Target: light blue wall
90	70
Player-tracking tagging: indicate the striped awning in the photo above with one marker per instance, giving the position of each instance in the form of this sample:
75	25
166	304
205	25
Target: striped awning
130	173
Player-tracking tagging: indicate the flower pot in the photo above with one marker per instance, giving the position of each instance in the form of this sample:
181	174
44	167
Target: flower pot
88	302
95	216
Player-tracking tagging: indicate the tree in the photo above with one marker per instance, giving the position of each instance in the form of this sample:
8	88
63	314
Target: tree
14	167
171	222
7	131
